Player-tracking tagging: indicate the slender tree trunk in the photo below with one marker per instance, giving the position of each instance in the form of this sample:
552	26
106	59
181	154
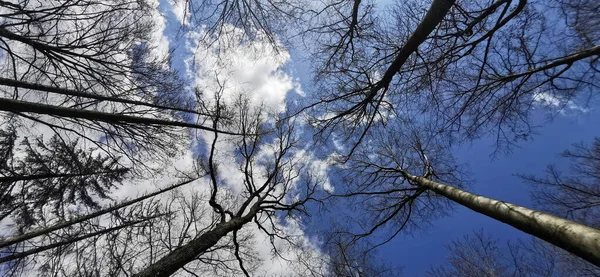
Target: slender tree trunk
581	240
47	230
18	106
70	240
71	92
436	13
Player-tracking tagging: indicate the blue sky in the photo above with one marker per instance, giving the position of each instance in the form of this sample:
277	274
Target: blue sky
493	177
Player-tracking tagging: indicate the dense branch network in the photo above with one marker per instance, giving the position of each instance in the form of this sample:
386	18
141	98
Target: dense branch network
398	87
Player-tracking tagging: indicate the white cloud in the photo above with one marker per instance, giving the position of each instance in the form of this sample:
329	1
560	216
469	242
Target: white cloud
159	43
181	11
242	66
564	107
304	248
318	168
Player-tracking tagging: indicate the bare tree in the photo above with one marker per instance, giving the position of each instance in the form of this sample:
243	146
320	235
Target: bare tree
394	178
477	255
481	255
386	201
199	231
400	93
92	70
351	258
471	68
257	19
576	238
80	91
264	192
90	73
399	89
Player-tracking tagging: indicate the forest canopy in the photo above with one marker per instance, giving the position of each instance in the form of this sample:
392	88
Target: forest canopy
292	137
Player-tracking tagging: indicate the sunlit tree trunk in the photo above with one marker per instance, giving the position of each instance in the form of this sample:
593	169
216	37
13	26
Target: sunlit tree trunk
576	238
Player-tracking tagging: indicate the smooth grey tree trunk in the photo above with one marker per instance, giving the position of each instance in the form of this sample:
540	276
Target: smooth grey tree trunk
581	240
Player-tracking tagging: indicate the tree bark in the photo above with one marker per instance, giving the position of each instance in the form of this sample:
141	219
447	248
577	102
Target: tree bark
435	14
178	258
580	240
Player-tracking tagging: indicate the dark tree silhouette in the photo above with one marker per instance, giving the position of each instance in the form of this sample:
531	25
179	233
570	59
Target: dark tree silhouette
92	70
402	181
401	93
398	88
206	230
480	255
470	68
255	18
55	174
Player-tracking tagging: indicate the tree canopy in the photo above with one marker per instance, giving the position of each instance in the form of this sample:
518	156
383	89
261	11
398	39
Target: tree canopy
159	138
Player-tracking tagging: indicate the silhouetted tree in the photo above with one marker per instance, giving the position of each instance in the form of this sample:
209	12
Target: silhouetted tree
576	194
93	71
481	255
402	181
469	68
55	174
400	93
397	89
203	230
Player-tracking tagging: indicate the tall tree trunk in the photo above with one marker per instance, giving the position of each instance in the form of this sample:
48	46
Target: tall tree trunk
72	92
65	224
70	240
179	257
436	13
17	106
581	240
